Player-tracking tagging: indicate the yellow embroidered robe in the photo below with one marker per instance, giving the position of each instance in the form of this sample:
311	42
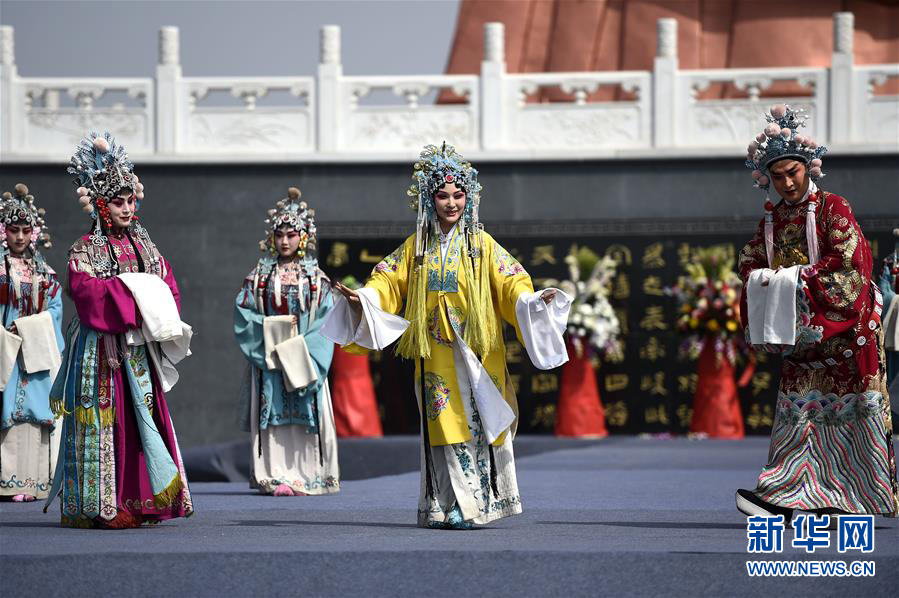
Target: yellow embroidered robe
447	307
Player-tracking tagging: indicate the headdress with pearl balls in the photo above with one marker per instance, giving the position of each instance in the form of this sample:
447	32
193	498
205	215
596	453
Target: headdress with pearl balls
295	214
18	208
102	170
780	140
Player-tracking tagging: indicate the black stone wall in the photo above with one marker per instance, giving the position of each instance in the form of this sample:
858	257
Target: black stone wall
207	220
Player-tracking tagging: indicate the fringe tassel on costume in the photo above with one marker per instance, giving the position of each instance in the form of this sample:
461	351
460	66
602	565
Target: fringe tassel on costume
58	407
85	415
415	343
107	417
168	496
480	330
481	326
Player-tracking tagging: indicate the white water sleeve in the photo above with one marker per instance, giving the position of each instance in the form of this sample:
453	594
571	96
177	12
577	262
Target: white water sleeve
376	329
542	327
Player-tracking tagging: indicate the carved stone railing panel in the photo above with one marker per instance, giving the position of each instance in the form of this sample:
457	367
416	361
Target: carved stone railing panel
732	122
244	126
579	124
878	113
407	125
57	112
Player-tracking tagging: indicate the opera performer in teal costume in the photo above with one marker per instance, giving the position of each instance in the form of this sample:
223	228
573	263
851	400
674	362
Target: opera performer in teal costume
277	317
31	300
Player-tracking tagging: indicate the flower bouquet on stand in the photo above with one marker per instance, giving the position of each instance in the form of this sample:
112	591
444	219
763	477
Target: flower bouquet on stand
352	391
709	316
593	333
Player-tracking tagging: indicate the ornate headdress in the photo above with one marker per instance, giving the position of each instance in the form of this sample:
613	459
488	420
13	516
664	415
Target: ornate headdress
291	213
778	141
295	214
436	167
102	170
19	208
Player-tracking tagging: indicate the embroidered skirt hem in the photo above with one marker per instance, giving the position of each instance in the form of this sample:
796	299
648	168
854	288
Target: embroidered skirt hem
27	460
290	455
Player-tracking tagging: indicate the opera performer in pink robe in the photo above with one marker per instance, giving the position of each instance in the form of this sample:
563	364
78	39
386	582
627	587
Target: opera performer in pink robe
119	464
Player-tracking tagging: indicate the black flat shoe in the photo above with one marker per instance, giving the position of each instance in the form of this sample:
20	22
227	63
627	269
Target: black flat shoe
750	504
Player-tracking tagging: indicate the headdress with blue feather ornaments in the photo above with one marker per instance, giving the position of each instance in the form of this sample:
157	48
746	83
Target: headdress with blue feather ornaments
436	167
18	208
778	141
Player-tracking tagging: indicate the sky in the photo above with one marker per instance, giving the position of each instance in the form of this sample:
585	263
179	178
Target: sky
119	38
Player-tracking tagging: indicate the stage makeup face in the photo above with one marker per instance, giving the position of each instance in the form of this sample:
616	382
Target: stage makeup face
287	240
17	238
790	179
122	208
449	202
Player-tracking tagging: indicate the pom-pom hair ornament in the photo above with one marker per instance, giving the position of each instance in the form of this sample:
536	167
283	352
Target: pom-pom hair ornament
294	214
102	170
18	208
778	141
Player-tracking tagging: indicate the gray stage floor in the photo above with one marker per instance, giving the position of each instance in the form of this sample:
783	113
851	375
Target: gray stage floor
622	517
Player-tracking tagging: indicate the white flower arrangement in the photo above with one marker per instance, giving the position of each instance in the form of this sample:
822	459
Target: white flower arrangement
592	323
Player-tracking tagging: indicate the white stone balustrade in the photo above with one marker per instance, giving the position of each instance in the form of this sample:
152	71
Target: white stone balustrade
493	115
398	127
725	122
246	126
569	128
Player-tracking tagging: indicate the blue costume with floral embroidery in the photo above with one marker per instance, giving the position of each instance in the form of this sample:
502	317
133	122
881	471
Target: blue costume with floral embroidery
26	398
293	435
28	287
278	406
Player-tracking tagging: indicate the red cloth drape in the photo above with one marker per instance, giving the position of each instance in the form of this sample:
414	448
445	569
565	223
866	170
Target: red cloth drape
579	411
353	395
716	405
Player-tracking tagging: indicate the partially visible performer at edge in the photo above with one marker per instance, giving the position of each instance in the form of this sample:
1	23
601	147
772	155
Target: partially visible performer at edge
889	286
831	445
456	283
277	318
30	345
119	463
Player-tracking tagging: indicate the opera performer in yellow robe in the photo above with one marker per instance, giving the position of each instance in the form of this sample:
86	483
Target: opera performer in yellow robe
456	283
